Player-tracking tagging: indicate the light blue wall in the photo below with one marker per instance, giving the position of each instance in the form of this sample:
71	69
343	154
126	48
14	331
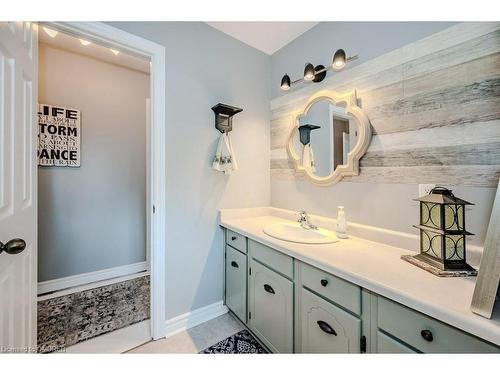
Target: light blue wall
205	67
366	39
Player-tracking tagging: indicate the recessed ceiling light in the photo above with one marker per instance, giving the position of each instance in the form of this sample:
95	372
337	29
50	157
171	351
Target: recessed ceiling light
50	32
85	42
115	51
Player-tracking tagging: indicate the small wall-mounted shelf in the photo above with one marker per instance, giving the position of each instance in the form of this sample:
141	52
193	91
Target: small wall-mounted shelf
223	116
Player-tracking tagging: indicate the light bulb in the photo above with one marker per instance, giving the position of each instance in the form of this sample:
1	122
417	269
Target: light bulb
50	32
115	51
339	59
309	72
285	82
85	42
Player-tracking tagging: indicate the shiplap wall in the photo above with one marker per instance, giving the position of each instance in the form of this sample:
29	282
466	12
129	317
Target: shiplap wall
434	106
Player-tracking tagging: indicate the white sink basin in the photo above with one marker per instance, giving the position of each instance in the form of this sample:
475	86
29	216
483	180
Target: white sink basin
293	232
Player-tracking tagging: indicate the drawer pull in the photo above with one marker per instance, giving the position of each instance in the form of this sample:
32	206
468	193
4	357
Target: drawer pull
324	282
327	328
427	335
233	238
234	264
268	288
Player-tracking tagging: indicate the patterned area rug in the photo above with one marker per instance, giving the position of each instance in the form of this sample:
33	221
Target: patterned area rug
240	343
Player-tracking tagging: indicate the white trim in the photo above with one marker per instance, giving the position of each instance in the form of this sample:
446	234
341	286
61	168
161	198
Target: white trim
115	342
112	36
193	318
90	277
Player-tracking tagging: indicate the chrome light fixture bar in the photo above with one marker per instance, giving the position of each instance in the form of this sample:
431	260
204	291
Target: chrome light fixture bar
318	73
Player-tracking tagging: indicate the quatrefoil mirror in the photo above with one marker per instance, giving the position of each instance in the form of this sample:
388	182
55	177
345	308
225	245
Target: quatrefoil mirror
330	134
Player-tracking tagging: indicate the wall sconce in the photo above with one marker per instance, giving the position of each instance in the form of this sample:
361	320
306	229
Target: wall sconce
224	116
318	73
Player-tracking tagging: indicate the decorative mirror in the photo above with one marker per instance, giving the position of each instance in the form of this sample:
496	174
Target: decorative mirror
330	135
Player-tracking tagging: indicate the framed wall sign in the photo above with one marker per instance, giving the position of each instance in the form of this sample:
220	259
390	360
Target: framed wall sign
59	131
488	277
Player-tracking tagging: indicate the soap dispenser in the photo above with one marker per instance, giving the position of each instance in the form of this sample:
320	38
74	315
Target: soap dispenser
341	223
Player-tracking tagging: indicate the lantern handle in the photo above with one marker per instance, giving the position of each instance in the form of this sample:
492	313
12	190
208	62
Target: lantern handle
443	191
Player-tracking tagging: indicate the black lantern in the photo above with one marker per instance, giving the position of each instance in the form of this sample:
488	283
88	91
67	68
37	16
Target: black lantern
442	234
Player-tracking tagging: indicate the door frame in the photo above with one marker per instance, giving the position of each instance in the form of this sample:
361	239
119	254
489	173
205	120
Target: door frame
112	36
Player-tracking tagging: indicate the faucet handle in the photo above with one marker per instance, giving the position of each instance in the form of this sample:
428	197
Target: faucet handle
302	215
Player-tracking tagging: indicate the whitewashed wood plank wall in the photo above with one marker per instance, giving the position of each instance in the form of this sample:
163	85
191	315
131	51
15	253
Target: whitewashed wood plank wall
434	106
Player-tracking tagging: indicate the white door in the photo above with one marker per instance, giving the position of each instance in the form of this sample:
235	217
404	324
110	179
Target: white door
18	194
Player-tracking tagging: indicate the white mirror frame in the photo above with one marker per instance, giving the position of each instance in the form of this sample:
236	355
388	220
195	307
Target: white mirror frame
364	137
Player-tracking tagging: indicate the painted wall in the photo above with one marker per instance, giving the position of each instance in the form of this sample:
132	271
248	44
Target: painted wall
434	109
93	217
205	67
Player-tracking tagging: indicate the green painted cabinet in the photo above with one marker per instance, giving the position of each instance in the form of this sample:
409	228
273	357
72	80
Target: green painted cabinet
388	345
326	314
271	308
325	328
236	282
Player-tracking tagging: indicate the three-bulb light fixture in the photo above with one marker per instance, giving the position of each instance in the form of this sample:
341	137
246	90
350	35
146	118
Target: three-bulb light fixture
318	73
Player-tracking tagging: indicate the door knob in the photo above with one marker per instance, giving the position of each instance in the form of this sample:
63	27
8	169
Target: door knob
13	247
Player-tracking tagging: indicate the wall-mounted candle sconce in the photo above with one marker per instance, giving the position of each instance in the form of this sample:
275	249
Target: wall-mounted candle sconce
305	133
318	73
224	117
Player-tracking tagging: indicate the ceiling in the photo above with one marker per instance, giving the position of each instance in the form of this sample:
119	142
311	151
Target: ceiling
72	44
265	36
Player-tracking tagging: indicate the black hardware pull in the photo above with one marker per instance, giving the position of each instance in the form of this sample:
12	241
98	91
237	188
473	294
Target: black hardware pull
233	238
234	264
13	247
324	282
269	289
327	328
427	335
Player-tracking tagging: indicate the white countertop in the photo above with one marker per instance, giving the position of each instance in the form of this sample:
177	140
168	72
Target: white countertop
378	267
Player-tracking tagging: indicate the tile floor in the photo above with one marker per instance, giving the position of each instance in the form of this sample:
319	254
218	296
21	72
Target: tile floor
195	339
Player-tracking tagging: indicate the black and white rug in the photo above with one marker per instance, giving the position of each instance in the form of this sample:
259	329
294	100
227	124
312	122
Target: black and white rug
240	343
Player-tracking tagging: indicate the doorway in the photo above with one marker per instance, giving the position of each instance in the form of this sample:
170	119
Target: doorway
92	198
138	49
18	43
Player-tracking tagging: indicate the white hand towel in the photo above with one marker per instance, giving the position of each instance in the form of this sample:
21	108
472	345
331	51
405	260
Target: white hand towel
225	160
308	158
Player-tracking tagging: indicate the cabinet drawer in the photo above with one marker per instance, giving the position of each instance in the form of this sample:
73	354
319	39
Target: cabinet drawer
236	240
327	328
271	308
236	282
388	345
272	258
333	288
425	333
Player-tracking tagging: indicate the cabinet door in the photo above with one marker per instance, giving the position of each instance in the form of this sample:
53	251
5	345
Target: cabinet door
236	282
271	308
327	328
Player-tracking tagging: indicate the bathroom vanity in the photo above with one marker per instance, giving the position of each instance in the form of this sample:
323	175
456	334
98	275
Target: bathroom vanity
351	296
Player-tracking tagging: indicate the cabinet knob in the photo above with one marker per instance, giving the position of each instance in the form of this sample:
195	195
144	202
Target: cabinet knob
233	238
234	264
327	328
324	282
427	335
268	288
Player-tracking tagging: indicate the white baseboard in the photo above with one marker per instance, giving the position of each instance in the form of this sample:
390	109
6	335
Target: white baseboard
115	342
90	277
193	318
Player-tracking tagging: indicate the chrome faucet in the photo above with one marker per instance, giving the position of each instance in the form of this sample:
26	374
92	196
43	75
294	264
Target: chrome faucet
303	220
